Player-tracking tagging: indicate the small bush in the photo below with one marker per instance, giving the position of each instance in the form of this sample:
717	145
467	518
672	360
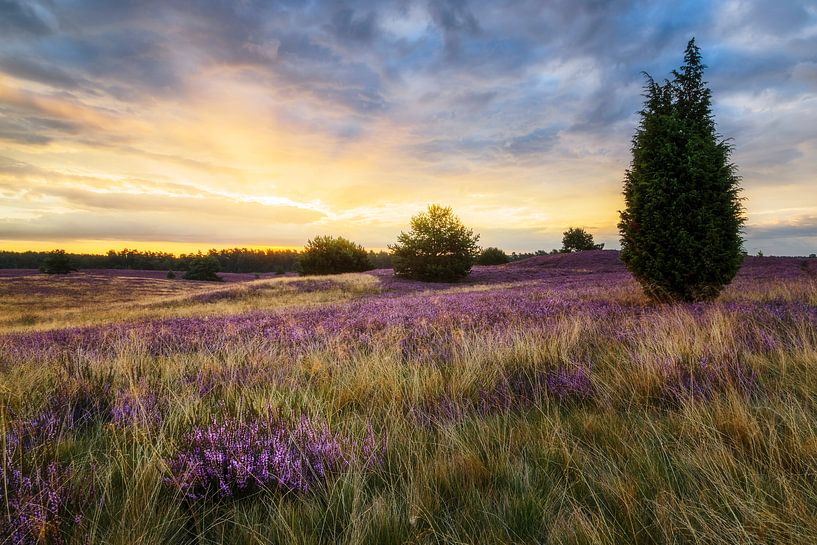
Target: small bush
492	256
438	248
333	255
57	262
203	267
576	239
171	275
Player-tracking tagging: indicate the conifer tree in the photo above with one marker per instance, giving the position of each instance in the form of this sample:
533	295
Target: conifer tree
681	227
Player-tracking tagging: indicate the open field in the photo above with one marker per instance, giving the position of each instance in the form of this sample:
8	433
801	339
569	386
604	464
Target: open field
544	401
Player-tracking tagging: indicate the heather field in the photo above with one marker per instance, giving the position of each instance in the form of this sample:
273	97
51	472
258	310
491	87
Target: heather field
543	401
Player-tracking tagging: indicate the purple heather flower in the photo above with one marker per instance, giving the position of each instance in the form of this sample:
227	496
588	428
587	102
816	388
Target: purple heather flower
232	457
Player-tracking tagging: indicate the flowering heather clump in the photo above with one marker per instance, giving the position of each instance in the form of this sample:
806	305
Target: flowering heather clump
425	345
571	383
37	505
40	501
704	378
136	406
66	410
24	434
309	285
234	458
517	392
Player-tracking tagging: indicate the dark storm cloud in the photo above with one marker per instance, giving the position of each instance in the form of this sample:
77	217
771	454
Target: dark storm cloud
346	25
25	17
35	70
347	55
536	141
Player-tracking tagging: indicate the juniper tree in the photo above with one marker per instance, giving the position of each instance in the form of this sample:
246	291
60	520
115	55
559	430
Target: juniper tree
681	226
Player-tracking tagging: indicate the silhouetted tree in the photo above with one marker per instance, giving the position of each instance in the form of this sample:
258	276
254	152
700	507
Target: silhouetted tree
680	229
333	255
203	267
57	262
576	239
438	248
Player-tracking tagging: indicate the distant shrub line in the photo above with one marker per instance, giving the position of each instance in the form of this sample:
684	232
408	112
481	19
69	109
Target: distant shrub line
233	260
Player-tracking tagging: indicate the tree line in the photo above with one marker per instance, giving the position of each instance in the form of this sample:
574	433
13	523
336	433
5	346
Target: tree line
237	260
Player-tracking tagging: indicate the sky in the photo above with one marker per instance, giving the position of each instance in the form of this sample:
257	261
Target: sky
189	124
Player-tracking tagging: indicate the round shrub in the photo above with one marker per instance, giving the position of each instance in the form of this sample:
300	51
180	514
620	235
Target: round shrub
333	255
438	248
492	256
576	239
203	267
57	262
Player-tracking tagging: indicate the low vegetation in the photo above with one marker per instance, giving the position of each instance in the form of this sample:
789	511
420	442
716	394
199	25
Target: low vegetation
546	401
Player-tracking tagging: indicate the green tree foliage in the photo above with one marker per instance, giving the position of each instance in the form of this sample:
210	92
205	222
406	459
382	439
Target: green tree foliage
438	248
250	260
203	267
240	260
333	255
380	259
57	262
576	239
681	227
492	256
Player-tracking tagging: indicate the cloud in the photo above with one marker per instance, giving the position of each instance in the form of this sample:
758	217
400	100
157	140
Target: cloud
360	103
801	226
536	141
25	18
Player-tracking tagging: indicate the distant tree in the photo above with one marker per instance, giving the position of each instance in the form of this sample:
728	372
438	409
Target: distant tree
203	267
333	255
492	256
57	262
812	256
380	259
680	229
576	239
438	248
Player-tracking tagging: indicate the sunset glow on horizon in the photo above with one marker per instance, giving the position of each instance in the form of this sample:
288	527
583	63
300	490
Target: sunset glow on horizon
182	126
